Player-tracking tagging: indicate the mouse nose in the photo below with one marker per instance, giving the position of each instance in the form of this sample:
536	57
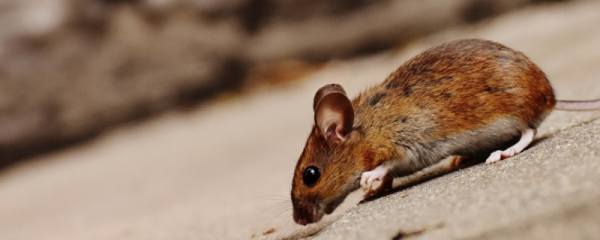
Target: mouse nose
303	215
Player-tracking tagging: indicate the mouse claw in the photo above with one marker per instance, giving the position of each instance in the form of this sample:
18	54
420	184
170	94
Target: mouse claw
526	138
375	181
494	157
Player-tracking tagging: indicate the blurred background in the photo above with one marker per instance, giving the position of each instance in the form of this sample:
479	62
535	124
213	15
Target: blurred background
70	69
183	119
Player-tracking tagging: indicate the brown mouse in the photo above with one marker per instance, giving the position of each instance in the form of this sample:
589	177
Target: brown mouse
451	102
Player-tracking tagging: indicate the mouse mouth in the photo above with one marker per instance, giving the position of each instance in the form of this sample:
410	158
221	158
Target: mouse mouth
307	213
307	217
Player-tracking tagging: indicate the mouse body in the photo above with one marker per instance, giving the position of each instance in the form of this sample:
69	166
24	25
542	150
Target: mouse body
458	100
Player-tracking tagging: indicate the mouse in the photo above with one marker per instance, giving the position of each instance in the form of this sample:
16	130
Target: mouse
452	102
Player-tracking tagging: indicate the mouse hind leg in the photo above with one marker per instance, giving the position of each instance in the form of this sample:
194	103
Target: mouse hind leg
527	136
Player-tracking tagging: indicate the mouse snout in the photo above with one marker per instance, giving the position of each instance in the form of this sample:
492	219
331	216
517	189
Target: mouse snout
306	213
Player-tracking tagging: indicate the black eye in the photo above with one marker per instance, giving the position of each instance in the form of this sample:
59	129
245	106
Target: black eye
311	175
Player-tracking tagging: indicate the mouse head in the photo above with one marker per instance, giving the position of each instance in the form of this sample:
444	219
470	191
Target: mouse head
326	171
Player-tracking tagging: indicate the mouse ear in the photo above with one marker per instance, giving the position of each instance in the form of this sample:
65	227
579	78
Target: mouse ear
334	114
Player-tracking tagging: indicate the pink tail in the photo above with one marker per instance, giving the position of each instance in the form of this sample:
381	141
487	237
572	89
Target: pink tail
578	105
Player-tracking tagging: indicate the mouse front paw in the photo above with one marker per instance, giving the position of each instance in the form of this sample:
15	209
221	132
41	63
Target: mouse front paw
376	181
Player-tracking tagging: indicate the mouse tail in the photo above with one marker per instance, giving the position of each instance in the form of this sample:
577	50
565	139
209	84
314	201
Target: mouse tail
578	105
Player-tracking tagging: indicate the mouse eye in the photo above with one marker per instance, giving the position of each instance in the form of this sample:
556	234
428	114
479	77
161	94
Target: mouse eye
311	175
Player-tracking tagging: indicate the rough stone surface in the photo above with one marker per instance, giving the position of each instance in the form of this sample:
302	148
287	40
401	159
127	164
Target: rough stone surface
223	170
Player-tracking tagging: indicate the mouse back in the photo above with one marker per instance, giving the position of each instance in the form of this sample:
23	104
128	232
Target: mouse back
461	85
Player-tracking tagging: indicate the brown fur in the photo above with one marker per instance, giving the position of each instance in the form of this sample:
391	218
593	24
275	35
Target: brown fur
459	98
